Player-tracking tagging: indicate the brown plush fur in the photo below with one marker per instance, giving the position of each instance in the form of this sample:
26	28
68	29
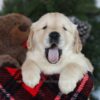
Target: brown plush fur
14	31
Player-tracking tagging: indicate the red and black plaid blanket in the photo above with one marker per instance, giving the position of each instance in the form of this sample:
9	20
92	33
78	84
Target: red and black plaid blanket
12	87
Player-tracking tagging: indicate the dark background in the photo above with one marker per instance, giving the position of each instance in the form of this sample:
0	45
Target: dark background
82	9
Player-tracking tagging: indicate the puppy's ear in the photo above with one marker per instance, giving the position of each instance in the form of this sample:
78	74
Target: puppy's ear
30	43
77	43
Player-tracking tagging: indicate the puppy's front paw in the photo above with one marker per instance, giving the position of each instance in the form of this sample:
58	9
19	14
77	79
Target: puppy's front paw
66	85
30	78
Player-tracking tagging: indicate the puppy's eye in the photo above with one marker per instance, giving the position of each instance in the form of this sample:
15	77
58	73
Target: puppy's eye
64	28
45	27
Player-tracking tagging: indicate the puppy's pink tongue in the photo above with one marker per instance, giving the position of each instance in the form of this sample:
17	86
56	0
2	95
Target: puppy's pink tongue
53	55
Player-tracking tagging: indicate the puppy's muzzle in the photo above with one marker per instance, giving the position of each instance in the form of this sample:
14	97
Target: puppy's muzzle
53	53
54	37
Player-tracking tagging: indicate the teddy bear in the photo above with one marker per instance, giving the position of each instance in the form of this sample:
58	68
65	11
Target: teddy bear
14	31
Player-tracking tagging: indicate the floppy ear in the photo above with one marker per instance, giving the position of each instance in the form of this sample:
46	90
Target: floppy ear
77	43
30	40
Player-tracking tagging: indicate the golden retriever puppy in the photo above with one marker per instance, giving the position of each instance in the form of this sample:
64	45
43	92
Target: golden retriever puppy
54	47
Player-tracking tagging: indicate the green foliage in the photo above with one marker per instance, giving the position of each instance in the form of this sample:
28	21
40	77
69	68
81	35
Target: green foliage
36	8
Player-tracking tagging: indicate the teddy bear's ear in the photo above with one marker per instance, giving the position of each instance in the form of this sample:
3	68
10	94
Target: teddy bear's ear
23	27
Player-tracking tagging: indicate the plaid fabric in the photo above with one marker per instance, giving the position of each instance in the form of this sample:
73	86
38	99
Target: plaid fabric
12	87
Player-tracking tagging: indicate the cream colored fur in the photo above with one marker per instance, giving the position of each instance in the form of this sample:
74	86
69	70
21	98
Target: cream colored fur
72	64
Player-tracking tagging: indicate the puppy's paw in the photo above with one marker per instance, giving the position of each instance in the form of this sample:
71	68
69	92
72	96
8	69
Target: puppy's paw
66	86
30	78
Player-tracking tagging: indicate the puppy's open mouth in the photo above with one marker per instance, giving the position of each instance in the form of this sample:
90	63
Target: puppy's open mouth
53	53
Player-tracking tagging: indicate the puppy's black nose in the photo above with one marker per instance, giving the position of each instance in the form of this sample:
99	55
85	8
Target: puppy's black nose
54	37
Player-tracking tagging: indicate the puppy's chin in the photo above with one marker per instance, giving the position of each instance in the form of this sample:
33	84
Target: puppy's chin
53	54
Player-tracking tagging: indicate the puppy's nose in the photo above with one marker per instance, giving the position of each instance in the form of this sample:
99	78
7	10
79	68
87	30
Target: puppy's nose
54	37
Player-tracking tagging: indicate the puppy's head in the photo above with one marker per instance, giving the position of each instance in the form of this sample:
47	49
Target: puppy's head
52	34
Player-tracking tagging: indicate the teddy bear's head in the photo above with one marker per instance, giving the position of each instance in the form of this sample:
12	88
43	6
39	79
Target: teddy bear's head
17	26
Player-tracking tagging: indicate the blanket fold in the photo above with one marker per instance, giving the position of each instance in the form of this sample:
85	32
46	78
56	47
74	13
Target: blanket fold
12	87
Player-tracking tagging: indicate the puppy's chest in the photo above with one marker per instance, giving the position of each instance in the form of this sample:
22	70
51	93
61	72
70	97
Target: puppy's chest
65	59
